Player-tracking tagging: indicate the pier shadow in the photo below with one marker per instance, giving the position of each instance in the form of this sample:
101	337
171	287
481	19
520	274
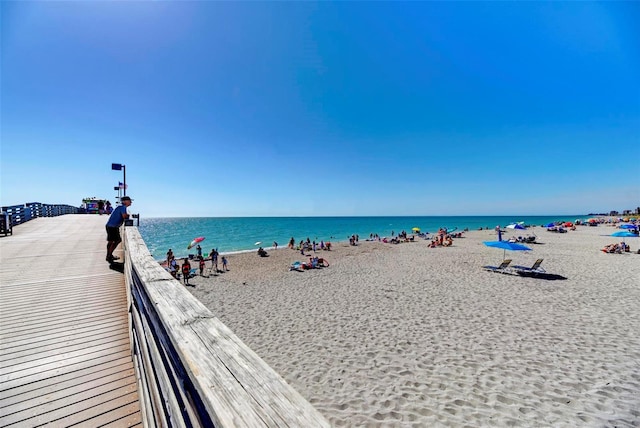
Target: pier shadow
118	267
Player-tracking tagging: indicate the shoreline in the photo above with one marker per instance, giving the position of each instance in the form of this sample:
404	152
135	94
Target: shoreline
230	235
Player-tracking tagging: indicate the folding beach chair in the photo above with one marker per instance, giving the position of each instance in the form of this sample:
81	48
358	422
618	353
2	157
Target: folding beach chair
499	269
535	268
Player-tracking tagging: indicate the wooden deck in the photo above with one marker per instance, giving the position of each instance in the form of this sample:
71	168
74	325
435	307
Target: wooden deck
65	355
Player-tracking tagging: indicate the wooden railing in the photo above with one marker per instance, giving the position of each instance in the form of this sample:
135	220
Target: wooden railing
192	369
19	214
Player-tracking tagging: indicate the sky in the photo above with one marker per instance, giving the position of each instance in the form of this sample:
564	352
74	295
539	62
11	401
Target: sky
323	109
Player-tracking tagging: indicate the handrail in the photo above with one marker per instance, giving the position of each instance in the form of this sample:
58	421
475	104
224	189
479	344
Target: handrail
19	214
192	369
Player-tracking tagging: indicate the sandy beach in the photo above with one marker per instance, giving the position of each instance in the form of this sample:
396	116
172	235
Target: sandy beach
406	335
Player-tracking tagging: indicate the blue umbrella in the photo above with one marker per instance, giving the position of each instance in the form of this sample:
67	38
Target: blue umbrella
516	226
628	226
506	245
550	225
624	234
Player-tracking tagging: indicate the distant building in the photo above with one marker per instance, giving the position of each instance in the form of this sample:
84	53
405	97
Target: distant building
613	213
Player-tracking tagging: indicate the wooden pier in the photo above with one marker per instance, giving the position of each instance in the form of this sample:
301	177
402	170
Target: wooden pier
84	344
65	352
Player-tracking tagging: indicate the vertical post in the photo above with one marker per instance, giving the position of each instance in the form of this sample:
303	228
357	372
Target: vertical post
118	167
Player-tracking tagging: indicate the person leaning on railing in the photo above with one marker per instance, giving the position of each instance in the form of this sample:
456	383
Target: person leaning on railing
116	219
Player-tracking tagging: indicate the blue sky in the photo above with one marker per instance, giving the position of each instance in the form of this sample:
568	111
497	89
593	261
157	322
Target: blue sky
351	108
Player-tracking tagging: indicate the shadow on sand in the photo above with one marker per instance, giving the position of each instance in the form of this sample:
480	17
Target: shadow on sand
542	275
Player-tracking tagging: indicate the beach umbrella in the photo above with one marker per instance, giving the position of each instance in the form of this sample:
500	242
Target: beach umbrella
195	242
506	245
628	226
416	229
624	234
516	226
550	225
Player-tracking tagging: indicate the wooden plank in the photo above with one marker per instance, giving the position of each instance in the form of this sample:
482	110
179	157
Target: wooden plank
76	386
62	313
116	411
61	380
45	352
154	376
15	337
131	420
78	411
68	320
147	412
53	370
83	331
42	303
24	366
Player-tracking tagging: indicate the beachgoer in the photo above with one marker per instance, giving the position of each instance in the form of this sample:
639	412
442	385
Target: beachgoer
186	269
199	250
201	264
292	243
214	260
275	245
116	219
224	263
169	255
108	208
100	207
173	267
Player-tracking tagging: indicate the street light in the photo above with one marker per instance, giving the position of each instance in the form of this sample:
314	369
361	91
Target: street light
118	167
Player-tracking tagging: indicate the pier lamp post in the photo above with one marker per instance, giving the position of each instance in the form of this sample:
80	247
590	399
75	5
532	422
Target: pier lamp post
118	167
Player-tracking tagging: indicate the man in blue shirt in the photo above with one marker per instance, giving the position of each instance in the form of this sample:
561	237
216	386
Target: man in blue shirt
118	216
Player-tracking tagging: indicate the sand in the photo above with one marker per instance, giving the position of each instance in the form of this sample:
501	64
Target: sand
406	335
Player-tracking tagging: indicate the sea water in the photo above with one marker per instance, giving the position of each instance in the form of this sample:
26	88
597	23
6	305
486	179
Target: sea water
237	234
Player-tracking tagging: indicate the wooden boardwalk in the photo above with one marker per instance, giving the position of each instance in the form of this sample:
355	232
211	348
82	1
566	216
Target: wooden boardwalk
65	355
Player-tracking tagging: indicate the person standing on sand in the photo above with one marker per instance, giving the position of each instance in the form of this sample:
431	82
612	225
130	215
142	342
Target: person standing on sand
224	264
214	260
186	269
199	250
275	245
201	262
116	219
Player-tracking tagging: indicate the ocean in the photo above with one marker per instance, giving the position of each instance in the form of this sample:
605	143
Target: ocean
239	234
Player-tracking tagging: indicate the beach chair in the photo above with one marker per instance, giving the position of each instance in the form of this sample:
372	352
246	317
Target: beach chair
499	269
535	268
296	266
